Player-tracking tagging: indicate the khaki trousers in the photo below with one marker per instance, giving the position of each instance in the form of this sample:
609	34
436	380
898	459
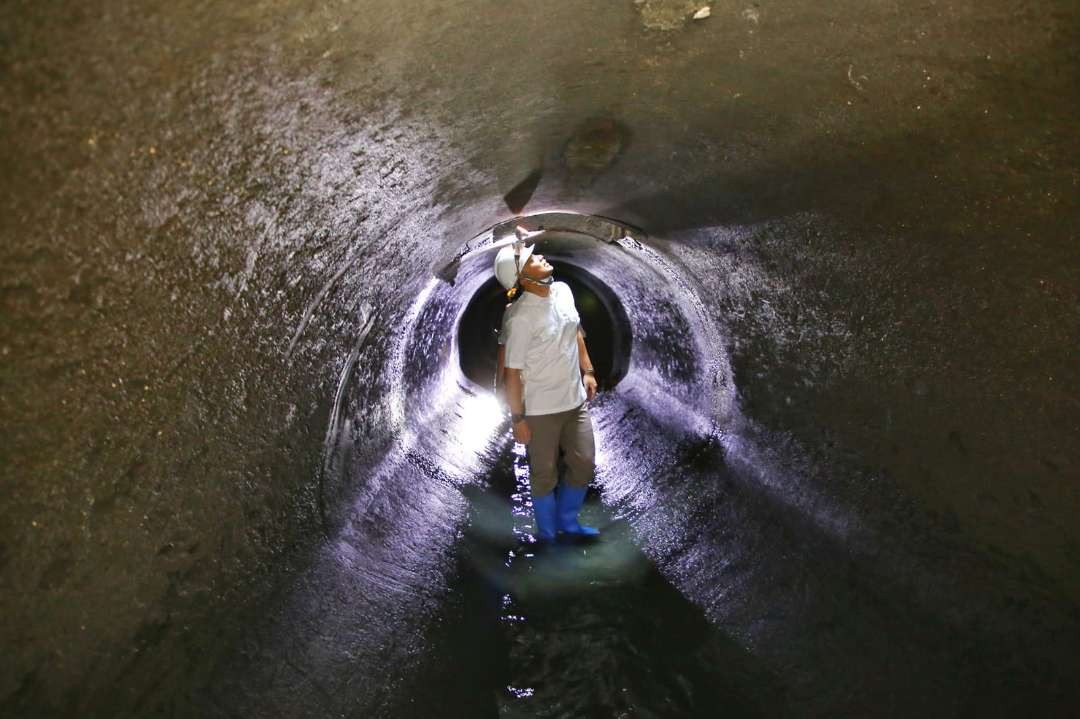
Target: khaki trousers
573	432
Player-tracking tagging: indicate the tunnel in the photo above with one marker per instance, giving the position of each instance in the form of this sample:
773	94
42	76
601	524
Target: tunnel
826	259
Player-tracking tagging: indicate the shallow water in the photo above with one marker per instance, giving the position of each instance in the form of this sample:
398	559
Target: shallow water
571	629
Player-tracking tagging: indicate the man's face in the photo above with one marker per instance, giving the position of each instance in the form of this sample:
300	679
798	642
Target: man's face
537	268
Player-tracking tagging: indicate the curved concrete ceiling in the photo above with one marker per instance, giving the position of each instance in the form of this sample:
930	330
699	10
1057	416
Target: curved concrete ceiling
243	475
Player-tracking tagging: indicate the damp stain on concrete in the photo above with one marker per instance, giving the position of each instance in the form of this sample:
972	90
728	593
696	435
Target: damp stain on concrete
595	145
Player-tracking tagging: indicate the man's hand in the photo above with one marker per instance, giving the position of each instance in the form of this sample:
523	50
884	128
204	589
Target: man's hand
590	386
588	376
522	433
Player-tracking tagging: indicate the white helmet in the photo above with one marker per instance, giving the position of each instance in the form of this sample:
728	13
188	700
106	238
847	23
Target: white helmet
510	262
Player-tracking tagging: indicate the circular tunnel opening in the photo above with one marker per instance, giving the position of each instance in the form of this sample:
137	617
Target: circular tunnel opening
603	319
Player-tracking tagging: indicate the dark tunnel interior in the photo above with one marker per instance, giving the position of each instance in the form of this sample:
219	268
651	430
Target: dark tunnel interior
603	320
825	256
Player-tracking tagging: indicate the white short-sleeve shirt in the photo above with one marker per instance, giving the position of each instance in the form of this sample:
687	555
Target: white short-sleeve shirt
540	335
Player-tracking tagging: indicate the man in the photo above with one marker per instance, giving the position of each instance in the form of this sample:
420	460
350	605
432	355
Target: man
549	377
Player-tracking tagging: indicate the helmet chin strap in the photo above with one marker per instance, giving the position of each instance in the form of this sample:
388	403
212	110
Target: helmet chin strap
545	282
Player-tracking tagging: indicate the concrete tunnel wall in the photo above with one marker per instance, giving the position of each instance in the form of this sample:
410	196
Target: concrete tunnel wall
209	214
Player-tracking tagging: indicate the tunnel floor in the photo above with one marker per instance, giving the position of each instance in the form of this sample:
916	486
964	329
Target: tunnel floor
704	597
571	629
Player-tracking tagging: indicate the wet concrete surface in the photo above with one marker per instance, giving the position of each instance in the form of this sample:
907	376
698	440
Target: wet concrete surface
573	629
848	432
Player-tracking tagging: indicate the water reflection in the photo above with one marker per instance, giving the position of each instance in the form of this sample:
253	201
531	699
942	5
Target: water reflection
556	630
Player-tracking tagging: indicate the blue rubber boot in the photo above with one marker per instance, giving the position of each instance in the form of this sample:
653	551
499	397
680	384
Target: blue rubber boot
545	509
569	503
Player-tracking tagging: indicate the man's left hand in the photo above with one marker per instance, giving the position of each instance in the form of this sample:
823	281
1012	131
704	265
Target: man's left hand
590	386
